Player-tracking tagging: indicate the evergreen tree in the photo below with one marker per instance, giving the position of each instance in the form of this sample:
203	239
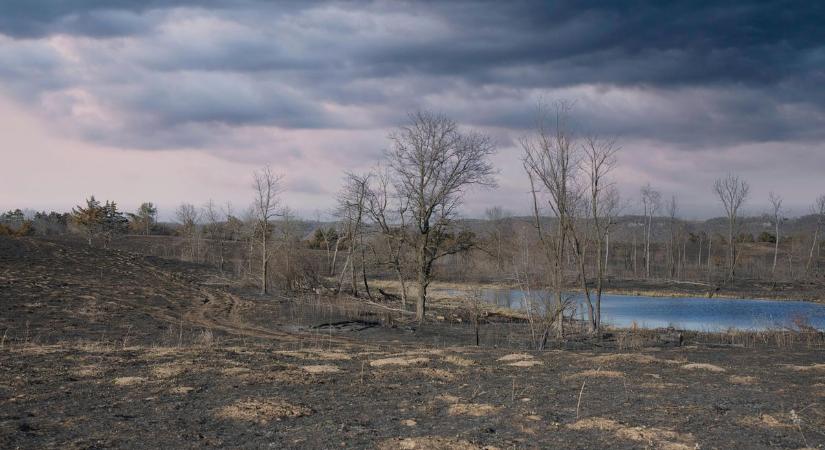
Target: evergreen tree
91	218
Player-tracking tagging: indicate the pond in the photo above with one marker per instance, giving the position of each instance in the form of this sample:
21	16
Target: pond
698	314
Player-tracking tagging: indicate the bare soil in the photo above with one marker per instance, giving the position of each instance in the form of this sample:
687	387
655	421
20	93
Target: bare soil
102	349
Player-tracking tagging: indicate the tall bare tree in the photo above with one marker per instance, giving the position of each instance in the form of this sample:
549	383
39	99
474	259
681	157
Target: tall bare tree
776	209
390	214
818	210
267	186
215	228
497	217
188	217
550	158
651	200
732	192
432	163
673	257
352	201
599	161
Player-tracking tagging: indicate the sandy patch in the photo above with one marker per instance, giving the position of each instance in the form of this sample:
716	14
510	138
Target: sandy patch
262	411
471	409
321	368
128	381
593	373
703	366
400	361
657	437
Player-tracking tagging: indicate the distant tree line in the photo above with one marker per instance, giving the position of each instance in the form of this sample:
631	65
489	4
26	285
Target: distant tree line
400	220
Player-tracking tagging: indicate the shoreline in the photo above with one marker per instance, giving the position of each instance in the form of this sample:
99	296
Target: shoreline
437	286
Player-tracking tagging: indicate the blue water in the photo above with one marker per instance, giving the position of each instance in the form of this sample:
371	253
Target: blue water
699	314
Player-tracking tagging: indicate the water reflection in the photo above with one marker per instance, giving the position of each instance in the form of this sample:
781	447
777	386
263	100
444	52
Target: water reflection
699	314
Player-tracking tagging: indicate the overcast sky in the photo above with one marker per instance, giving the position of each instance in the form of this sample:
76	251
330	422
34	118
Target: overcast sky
171	101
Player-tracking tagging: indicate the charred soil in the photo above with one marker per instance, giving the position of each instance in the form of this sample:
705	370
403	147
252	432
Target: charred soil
103	348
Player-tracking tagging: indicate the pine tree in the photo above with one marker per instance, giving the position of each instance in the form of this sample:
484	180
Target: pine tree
91	218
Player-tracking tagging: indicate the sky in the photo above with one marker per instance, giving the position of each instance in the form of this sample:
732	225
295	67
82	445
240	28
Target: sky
174	100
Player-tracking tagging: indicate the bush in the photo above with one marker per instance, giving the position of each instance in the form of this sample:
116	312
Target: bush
767	237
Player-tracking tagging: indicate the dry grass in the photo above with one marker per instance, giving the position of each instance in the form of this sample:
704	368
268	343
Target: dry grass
168	370
320	369
471	409
317	354
813	367
459	361
633	358
515	357
128	381
764	420
262	411
87	371
594	373
181	390
400	361
649	436
703	366
448	398
429	443
743	380
235	371
432	373
525	363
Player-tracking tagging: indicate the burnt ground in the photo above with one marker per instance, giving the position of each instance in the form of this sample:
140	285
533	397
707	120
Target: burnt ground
111	349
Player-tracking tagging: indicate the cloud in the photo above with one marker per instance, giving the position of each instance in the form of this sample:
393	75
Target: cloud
256	80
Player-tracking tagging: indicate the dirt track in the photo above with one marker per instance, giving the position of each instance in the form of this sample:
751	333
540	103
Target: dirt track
109	349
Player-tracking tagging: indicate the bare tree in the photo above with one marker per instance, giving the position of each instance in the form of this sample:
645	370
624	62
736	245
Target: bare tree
432	164
390	214
673	213
267	187
550	159
651	201
496	217
776	208
732	192
188	217
215	230
818	210
352	210
599	160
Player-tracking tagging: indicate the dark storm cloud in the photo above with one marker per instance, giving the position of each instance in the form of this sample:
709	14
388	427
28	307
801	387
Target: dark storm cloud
162	72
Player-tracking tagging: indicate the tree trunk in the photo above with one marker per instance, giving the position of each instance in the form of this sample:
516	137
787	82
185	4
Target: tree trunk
264	264
775	251
731	251
423	280
334	257
811	254
364	271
